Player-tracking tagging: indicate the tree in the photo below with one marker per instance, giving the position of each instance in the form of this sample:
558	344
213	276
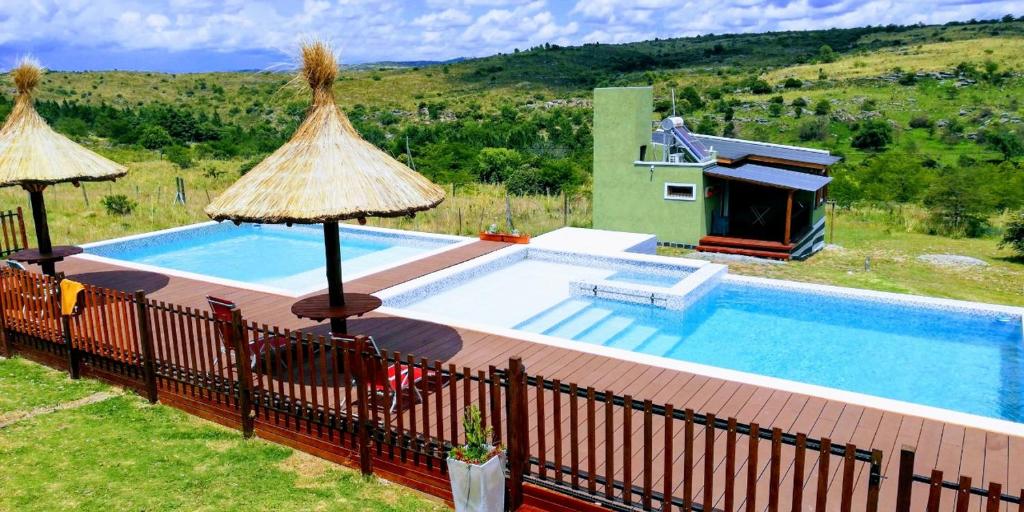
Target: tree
154	137
1014	235
873	134
692	98
1008	142
822	108
707	125
826	54
758	86
775	109
957	205
495	165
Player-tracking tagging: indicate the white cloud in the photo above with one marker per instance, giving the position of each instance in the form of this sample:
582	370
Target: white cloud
367	30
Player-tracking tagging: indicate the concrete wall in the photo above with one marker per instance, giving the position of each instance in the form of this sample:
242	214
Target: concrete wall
628	196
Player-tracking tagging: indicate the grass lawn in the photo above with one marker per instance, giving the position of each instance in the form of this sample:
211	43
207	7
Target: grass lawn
25	385
125	454
894	265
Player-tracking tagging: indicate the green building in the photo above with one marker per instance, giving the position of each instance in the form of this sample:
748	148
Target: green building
714	194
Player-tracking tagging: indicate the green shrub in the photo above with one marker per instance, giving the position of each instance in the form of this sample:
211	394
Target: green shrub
799	101
1014	235
813	129
180	156
249	164
154	137
758	86
922	121
775	109
118	204
822	108
793	83
873	134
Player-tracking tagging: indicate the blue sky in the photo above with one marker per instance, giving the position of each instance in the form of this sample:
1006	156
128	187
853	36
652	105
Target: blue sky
207	35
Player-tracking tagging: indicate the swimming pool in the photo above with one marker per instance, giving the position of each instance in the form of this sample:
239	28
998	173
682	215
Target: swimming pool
279	259
945	354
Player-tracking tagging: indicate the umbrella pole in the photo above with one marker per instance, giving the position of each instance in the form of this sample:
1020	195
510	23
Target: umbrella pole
35	195
335	289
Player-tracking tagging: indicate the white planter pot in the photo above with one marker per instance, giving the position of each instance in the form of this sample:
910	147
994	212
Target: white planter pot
478	487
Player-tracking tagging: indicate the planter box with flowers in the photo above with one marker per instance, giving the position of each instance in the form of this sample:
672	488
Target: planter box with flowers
493	235
477	469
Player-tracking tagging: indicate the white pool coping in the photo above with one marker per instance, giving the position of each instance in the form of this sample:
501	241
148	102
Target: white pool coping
457	241
861	399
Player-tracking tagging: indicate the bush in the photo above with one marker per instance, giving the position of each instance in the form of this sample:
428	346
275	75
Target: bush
826	54
793	83
775	109
799	102
873	134
957	206
154	137
1014	235
1008	142
118	204
248	165
814	129
869	105
180	156
822	108
758	86
495	165
922	121
524	181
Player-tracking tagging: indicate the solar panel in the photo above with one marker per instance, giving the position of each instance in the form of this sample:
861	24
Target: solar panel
677	128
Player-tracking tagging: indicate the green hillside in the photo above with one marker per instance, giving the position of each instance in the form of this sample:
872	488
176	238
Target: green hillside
911	109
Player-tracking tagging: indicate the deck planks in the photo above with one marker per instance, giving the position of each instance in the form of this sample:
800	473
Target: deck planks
952	448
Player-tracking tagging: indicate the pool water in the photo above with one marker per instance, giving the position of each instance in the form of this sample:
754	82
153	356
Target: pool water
965	362
957	359
275	256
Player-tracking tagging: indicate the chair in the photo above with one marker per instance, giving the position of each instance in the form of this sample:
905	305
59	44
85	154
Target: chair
388	385
223	312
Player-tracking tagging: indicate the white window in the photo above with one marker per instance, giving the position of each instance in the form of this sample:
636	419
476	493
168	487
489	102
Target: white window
681	191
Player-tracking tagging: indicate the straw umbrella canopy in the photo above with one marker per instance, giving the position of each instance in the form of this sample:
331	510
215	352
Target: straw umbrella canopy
326	173
34	156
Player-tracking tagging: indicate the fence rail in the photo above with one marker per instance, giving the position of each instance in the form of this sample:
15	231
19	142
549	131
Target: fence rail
380	409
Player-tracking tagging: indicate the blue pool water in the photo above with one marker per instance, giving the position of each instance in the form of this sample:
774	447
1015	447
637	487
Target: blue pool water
287	258
960	361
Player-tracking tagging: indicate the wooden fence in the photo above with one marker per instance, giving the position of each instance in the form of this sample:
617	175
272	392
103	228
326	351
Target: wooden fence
940	494
571	445
12	223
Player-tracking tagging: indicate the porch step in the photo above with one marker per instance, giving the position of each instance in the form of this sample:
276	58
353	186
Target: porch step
745	243
775	255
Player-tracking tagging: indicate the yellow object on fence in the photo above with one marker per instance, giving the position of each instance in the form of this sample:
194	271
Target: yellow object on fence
69	291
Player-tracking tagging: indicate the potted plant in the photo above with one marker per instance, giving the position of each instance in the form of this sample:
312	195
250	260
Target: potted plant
477	468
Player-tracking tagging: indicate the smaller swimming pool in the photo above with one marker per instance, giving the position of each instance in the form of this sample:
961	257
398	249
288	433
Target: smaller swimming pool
274	258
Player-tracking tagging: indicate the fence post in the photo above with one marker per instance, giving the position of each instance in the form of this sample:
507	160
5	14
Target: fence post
4	344
244	373
517	431
905	480
363	425
21	229
874	480
74	361
74	358
146	341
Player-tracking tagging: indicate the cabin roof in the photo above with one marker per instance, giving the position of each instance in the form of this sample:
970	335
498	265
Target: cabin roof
771	176
738	149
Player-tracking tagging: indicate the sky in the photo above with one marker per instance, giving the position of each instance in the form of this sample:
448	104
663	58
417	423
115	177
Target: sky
209	35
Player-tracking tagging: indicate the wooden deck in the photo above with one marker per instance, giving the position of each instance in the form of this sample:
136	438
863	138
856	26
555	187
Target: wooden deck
954	449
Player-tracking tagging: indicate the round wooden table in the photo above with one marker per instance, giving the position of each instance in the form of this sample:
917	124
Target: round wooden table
318	307
46	259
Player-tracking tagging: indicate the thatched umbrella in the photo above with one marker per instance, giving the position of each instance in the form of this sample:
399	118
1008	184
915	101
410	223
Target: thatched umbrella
34	156
326	173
